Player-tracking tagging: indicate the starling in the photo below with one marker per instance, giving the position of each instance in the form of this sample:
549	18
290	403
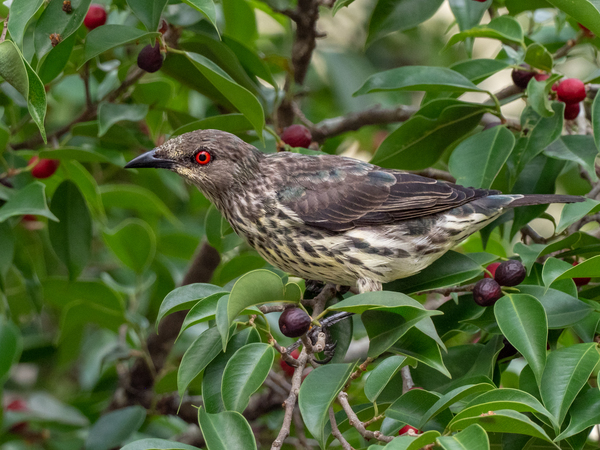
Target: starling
332	218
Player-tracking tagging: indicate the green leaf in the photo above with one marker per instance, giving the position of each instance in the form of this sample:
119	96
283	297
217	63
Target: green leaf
412	442
556	269
253	288
84	155
204	310
586	12
59	292
221	320
12	68
585	412
245	373
241	98
113	428
111	113
419	346
11	346
562	310
29	200
480	69
503	421
567	371
420	141
317	392
206	7
240	20
385	328
7	250
226	431
232	123
417	78
339	5
71	237
412	405
572	212
474	436
537	96
36	99
399	15
198	355
157	444
133	242
102	39
503	28
55	20
539	57
451	269
56	60
577	148
185	297
382	374
250	60
148	11
522	320
477	160
21	12
596	121
137	198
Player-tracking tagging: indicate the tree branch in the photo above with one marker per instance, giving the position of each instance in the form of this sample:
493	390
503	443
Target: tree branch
447	291
354	421
407	381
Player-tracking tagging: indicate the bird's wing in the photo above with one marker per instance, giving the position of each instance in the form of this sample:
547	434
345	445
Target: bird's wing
340	193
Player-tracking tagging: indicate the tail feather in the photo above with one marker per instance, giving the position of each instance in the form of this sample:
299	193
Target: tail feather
542	199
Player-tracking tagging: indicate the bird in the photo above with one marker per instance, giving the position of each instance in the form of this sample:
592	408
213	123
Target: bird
331	218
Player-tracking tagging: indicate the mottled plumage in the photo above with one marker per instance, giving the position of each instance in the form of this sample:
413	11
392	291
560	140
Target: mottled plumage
331	218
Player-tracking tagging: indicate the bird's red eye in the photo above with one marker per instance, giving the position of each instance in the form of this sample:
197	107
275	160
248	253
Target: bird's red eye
203	157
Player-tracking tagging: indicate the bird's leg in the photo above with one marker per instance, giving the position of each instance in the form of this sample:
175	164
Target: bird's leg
368	285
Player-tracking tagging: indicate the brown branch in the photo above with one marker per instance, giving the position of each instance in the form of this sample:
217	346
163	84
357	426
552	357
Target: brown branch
447	291
355	422
336	431
4	29
318	303
565	49
529	232
407	381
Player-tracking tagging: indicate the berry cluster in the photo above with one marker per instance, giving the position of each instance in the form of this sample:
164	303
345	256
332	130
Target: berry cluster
488	290
571	92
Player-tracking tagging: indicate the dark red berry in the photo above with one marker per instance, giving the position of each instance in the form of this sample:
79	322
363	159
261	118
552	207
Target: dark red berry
406	428
521	77
297	136
289	370
44	168
17	405
580	281
294	322
29	218
571	90
541	76
510	273
486	292
150	58
163	27
572	110
95	17
491	269
508	351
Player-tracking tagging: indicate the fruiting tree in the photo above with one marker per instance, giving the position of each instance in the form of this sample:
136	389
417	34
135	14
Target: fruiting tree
130	313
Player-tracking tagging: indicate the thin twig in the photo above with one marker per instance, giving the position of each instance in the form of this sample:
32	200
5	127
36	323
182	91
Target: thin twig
266	309
4	29
355	422
527	231
564	50
447	291
336	431
318	303
407	381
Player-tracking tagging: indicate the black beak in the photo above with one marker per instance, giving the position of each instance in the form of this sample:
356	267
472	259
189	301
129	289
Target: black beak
149	159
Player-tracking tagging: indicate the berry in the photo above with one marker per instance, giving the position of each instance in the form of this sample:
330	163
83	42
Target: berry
486	292
541	76
572	111
163	27
510	273
29	218
508	351
481	1
17	405
95	17
150	59
407	428
44	168
521	77
580	281
289	370
571	90
294	322
297	136
491	269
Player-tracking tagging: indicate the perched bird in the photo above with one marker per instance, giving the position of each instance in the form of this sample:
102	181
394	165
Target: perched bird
332	218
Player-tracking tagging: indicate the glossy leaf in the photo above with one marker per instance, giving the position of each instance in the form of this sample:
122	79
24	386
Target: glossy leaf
539	57
71	237
54	20
185	297
136	198
574	211
232	123
382	374
503	28
253	288
221	320
596	121
56	60
585	412
567	370
111	113
114	428
157	444
586	12
12	68
562	309
133	242
245	373
226	430
59	292
522	319
537	96
106	37
385	328
204	310
11	346
148	11
206	7
317	392
477	160
412	405
21	12
412	442
36	99
474	436
419	346
241	98
29	200
555	269
576	148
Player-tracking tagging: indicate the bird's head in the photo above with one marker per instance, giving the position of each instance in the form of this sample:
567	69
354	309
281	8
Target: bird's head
215	161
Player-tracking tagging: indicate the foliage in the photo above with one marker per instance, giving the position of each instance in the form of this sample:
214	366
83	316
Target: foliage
91	256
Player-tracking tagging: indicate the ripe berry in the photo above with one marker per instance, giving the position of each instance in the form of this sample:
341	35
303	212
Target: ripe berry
521	77
44	168
294	322
491	269
571	90
29	218
510	273
406	428
289	370
572	110
580	281
297	136
95	17
150	58
486	292
541	76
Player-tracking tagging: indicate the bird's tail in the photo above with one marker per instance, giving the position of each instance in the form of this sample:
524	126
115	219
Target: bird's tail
542	199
